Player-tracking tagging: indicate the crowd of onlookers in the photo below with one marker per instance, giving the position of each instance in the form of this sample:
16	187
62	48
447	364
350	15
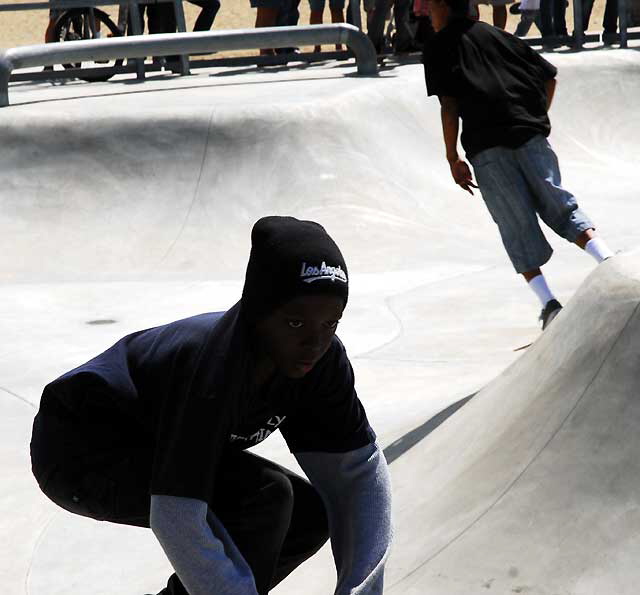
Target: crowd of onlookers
411	23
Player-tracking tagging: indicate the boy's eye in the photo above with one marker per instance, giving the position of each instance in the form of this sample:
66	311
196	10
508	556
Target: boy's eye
295	323
331	323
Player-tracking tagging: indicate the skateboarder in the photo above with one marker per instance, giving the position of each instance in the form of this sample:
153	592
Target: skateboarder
153	432
502	91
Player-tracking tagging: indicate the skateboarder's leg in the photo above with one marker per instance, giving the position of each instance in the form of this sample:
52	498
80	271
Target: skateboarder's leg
308	530
275	518
512	207
594	245
557	207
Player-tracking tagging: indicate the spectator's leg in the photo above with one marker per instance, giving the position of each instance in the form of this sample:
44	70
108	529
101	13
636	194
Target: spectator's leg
288	16
610	22
527	18
267	16
546	21
587	7
404	37
353	5
48	34
207	15
376	23
315	17
337	16
559	17
161	18
500	16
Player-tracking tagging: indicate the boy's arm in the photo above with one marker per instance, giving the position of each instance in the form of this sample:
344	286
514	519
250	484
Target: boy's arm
199	548
356	490
450	126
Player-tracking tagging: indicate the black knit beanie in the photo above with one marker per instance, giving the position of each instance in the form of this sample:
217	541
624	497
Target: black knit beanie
289	258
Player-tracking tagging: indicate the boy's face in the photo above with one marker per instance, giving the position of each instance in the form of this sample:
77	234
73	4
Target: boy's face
439	13
296	335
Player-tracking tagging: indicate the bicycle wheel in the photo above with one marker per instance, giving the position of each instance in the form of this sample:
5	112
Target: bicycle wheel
85	23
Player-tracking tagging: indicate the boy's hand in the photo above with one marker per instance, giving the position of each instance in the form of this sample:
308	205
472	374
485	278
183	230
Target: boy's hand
462	175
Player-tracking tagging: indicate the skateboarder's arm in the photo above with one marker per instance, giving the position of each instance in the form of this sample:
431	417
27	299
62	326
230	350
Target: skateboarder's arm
550	88
356	490
450	126
199	548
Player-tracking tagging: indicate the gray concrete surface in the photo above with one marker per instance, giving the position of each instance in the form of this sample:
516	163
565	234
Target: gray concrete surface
133	203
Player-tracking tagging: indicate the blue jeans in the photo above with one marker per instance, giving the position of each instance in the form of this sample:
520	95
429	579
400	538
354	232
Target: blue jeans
520	185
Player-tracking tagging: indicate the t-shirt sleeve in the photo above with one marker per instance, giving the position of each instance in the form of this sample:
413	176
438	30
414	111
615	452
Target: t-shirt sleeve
190	438
192	424
329	416
438	72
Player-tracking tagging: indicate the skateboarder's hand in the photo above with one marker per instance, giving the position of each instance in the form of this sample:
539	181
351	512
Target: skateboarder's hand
462	175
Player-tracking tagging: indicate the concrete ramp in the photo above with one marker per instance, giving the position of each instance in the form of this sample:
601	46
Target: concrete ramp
533	486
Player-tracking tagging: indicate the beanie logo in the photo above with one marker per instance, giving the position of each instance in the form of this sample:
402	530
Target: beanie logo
309	273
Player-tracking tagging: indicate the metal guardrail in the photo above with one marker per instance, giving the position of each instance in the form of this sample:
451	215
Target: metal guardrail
131	8
186	43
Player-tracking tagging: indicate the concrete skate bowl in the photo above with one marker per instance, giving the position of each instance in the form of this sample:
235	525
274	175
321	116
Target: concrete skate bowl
124	210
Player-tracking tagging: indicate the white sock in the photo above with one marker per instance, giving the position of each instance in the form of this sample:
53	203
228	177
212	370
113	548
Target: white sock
539	286
597	248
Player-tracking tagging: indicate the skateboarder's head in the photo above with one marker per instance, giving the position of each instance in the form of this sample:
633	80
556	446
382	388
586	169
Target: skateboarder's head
295	290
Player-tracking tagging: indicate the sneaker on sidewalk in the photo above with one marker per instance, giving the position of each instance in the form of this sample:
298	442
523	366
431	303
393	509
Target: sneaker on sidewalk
549	312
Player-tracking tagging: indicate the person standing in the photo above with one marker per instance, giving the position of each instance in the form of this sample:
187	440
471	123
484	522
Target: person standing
502	89
153	432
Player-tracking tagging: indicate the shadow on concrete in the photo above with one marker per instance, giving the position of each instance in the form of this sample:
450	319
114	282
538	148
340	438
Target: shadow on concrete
173	88
396	449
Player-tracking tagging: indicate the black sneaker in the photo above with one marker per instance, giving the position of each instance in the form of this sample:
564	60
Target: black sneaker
549	312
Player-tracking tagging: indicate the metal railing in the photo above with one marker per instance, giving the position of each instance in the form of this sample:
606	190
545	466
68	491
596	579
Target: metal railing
131	8
48	54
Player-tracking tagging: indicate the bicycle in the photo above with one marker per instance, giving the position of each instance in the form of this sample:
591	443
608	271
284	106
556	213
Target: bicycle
86	23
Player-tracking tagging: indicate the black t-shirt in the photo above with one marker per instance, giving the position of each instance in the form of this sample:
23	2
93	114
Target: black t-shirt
179	394
498	80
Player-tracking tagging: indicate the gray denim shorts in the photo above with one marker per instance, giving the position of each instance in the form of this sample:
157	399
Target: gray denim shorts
520	185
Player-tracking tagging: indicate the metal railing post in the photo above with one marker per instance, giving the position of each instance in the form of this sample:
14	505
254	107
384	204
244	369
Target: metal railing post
356	17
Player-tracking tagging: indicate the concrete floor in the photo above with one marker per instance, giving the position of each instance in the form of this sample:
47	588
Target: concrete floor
133	204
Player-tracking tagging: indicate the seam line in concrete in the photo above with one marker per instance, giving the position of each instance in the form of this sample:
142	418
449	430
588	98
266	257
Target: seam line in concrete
196	190
36	546
6	390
